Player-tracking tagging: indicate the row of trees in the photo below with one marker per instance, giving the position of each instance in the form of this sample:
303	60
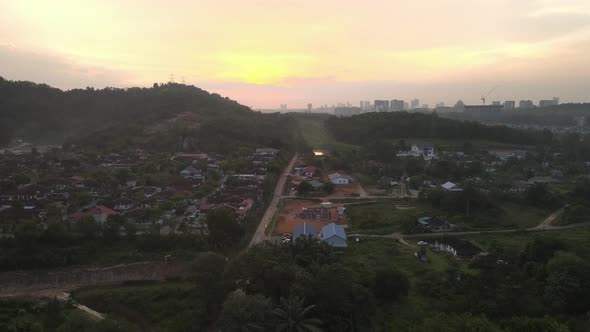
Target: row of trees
379	126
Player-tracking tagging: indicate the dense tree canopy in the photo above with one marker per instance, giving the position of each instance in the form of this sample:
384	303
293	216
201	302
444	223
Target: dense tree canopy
375	127
162	117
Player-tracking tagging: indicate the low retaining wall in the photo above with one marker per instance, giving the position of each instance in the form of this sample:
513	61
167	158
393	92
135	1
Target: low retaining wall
27	281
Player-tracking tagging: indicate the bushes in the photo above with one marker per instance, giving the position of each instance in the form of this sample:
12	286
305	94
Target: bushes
390	285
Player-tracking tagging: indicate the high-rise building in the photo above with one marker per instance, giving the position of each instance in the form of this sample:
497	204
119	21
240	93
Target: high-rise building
459	106
381	105
441	104
366	105
526	104
548	103
309	107
496	102
346	111
415	103
509	104
397	105
406	105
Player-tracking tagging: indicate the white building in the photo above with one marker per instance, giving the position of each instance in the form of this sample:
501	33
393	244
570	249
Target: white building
337	178
426	151
450	186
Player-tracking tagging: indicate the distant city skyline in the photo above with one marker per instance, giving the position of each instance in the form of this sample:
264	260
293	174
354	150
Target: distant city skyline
529	49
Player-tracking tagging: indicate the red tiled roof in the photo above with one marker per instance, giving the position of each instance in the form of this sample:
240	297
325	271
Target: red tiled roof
309	169
99	209
77	178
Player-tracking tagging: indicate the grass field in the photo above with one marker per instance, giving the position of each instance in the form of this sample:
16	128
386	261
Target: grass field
519	216
576	239
316	135
384	218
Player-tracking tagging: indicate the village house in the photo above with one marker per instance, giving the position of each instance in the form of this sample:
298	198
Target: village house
434	224
459	248
425	150
450	186
190	156
337	178
100	214
505	154
266	152
309	171
244	208
305	230
191	173
334	235
543	180
131	183
123	204
315	184
519	186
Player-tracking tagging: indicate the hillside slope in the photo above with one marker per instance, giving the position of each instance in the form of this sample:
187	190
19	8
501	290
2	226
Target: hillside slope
167	116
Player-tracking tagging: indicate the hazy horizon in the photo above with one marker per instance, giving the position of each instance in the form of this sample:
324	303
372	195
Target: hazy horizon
265	53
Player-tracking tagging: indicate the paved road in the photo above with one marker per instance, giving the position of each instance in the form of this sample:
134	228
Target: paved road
272	209
343	197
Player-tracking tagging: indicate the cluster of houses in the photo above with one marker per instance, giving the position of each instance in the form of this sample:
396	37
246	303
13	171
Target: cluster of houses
420	150
333	234
238	191
490	161
106	185
312	175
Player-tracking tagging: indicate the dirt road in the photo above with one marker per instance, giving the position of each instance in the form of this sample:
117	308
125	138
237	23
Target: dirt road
272	209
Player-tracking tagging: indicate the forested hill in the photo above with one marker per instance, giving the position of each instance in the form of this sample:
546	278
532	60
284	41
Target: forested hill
372	127
167	116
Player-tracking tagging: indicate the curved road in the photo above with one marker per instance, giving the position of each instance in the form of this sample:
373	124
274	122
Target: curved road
272	209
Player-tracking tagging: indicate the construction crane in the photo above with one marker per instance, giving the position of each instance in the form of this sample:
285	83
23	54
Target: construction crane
489	93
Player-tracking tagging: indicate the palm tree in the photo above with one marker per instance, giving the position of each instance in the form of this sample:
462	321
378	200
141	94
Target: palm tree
291	316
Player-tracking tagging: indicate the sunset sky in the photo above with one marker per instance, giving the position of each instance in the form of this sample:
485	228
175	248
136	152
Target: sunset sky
267	52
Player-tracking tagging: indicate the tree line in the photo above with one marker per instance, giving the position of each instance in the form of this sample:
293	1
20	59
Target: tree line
379	126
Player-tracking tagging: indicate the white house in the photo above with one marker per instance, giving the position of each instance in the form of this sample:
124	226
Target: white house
190	172
425	150
337	178
450	186
123	203
266	152
519	186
